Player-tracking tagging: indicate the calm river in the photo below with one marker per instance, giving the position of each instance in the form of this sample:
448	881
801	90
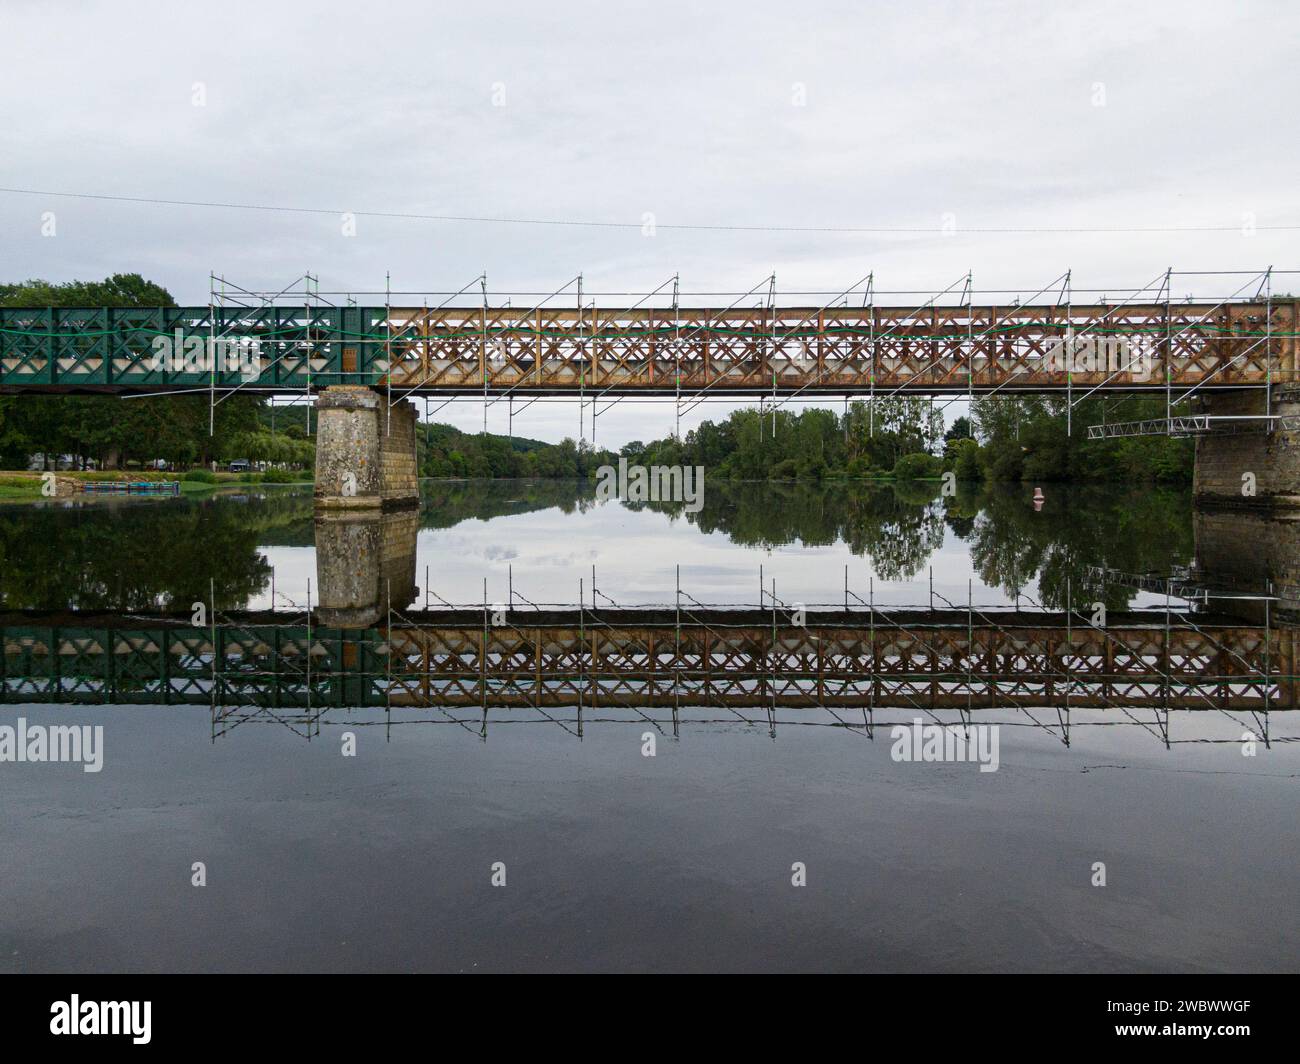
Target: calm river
257	822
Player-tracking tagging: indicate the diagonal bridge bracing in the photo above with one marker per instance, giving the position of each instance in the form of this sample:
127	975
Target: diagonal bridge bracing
498	350
644	658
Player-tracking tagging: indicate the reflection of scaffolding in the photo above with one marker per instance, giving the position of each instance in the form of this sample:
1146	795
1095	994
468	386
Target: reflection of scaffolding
1181	584
951	341
731	659
1170	728
855	667
671	346
232	639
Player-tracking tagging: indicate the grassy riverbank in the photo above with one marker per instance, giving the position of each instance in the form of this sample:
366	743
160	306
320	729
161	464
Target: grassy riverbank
25	486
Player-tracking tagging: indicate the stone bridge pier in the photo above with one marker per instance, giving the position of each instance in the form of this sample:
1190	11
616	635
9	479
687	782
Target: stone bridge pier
365	451
1254	470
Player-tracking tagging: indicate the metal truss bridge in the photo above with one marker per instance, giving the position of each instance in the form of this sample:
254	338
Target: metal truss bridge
856	660
544	350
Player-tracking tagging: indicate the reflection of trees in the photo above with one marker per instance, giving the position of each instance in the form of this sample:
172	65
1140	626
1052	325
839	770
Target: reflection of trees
765	515
897	530
444	503
899	525
139	556
161	555
961	509
1132	531
896	526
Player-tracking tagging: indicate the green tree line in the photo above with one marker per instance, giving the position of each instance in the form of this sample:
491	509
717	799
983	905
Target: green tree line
114	432
446	452
1034	438
1006	439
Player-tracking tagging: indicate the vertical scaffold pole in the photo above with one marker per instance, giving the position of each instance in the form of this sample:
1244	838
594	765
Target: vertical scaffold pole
677	355
871	616
388	661
1069	641
306	335
212	609
1169	346
970	643
212	347
1268	344
1268	666
307	394
1069	346
970	345
677	652
771	347
582	370
309	647
482	352
482	658
388	348
771	666
582	650
870	301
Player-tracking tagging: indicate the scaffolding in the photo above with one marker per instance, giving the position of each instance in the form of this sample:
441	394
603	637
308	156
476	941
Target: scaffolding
668	344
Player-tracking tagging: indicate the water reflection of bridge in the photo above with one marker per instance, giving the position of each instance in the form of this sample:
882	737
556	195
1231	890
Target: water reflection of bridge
362	645
1169	727
604	658
361	648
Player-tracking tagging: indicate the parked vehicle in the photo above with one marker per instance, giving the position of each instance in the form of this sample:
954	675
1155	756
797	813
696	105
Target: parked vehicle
239	465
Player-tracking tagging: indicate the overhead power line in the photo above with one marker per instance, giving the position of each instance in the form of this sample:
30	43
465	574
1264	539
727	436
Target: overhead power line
677	226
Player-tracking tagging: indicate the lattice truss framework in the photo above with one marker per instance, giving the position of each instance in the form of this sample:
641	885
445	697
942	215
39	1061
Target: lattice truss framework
838	349
602	663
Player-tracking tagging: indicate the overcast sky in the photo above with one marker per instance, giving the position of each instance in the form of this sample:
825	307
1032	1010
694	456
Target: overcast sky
1011	115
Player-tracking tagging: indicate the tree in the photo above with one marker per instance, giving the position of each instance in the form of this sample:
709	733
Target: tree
105	428
960	429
